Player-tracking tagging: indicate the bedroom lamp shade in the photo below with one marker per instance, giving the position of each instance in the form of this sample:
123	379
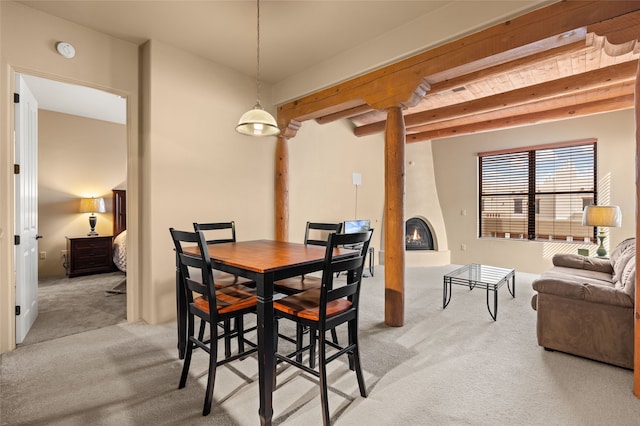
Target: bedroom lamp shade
257	121
93	206
602	216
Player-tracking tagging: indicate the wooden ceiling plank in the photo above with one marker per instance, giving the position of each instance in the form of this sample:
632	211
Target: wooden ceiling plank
380	88
612	104
580	82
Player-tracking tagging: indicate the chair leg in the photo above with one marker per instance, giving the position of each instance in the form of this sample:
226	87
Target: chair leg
240	330
187	355
312	347
334	336
299	342
203	324
322	369
353	339
227	338
211	377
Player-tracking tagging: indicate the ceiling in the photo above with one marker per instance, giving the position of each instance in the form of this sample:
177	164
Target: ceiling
573	74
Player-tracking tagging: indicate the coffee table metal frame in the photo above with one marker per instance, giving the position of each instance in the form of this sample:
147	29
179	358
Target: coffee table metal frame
475	275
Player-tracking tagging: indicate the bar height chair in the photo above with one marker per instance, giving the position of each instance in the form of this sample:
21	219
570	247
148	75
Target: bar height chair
322	309
209	303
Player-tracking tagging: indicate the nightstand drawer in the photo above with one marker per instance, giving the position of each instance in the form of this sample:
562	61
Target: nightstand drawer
89	255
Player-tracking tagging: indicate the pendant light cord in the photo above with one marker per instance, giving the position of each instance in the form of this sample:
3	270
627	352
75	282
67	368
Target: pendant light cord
258	58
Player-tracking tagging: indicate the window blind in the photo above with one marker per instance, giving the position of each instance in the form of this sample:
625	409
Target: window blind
538	193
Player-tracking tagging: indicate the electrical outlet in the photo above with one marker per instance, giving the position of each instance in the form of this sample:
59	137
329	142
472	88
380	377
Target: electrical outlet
43	255
463	247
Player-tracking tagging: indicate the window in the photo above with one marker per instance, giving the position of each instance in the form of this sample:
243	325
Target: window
538	192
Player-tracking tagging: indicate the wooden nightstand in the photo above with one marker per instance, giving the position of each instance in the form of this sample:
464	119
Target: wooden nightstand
89	255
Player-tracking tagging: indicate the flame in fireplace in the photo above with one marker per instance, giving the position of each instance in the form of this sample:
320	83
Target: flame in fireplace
415	235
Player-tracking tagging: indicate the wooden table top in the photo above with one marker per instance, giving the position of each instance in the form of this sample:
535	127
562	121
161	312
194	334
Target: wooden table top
265	255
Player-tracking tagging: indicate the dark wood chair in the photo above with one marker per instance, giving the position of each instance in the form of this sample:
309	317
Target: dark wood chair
217	233
306	282
325	308
316	233
211	304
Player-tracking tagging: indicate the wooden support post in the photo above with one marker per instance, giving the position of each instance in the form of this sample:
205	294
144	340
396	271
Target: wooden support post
282	190
394	148
636	316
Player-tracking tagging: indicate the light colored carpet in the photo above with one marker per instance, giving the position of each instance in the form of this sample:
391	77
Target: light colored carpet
444	367
75	305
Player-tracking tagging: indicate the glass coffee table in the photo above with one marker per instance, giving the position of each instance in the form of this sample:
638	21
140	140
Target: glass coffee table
474	275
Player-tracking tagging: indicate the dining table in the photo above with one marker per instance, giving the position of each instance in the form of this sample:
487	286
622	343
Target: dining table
263	261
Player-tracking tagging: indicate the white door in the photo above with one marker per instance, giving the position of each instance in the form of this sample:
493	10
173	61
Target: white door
26	205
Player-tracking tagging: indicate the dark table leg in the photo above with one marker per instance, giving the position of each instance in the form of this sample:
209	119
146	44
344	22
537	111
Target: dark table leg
266	361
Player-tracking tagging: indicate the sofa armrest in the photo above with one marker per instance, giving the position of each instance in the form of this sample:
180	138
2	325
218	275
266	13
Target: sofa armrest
577	261
583	291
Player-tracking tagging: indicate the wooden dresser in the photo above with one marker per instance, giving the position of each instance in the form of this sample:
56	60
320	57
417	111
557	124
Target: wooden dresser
89	255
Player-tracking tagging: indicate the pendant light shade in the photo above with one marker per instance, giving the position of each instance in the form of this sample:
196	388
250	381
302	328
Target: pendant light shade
257	121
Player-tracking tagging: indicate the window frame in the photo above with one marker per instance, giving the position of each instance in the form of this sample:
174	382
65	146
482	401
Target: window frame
532	196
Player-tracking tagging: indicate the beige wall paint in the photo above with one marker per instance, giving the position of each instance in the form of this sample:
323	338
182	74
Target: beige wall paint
27	44
197	167
322	160
456	170
78	157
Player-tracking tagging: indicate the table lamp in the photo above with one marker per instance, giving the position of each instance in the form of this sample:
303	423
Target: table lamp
93	206
602	216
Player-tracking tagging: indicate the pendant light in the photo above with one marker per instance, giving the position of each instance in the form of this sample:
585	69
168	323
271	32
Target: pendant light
257	121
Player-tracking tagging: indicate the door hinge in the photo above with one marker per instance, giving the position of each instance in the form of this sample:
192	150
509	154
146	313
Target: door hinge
16	98
17	310
16	169
16	240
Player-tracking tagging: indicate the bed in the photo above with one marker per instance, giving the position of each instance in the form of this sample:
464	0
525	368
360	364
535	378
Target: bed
120	237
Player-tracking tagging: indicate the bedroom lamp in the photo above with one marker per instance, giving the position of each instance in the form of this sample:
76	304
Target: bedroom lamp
257	121
93	206
602	216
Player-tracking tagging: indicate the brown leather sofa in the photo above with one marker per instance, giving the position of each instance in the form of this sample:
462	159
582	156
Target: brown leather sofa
585	305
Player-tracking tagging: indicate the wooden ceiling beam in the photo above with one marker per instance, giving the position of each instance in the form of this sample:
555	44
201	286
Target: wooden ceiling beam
347	113
601	94
572	111
440	85
565	86
396	84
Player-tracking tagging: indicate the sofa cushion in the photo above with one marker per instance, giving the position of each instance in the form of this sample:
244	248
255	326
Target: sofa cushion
621	248
577	261
621	262
580	276
627	280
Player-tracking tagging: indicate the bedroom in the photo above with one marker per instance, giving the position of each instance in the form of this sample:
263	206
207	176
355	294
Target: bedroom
81	153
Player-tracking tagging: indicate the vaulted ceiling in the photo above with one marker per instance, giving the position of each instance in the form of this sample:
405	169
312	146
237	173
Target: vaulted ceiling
585	69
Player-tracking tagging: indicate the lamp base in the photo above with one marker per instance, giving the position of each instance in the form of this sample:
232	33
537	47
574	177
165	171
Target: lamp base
93	219
601	252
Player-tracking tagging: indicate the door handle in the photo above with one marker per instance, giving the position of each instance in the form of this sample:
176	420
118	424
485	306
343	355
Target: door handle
38	236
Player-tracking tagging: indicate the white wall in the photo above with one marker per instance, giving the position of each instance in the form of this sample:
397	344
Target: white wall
456	172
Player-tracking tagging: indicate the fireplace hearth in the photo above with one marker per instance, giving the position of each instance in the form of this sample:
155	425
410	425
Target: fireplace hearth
418	235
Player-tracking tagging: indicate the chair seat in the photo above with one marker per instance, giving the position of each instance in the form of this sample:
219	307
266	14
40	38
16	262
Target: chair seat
297	284
229	299
306	305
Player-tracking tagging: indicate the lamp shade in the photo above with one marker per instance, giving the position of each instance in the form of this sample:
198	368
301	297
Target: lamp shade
92	205
257	122
609	216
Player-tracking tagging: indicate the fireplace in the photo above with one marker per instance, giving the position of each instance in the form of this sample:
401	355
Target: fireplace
418	235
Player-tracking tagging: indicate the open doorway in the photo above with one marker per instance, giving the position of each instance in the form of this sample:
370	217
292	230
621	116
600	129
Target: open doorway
82	153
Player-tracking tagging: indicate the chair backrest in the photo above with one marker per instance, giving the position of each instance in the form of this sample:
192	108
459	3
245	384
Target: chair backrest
352	265
229	235
188	263
323	230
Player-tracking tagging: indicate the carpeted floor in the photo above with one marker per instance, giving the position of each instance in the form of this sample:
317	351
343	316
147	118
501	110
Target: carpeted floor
75	305
443	367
